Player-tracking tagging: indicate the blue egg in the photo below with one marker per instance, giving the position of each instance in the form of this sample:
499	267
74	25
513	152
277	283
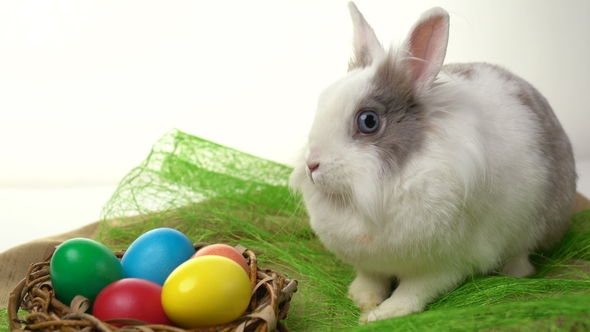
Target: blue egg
156	253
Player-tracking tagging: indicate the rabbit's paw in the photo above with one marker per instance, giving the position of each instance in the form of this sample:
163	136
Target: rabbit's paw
364	318
367	292
518	266
389	309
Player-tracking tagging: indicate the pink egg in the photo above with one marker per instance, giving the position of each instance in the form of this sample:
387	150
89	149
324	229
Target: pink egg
131	298
224	250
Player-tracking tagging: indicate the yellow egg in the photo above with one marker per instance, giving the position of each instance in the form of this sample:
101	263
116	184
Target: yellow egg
206	291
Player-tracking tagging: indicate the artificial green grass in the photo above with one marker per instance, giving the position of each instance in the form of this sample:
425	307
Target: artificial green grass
4	320
216	194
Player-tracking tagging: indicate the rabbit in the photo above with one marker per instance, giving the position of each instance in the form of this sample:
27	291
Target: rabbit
419	174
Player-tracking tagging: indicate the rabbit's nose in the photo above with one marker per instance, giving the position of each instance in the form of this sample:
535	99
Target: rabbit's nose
312	166
313	160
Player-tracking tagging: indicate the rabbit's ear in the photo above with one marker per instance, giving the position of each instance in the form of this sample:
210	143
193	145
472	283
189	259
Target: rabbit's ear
427	46
366	46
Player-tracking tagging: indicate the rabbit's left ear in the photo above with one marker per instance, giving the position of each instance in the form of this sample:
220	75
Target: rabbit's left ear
427	46
366	46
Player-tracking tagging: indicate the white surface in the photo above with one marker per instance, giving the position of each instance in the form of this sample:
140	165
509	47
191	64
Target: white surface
86	87
30	213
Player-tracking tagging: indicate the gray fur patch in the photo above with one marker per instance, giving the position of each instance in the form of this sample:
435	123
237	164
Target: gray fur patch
461	69
556	148
391	97
360	59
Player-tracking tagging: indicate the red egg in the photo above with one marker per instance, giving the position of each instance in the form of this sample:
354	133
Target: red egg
131	298
224	250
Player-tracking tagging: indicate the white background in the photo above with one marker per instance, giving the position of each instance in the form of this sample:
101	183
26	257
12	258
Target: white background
86	87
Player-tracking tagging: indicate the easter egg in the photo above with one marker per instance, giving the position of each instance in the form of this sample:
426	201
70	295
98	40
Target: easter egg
131	298
154	254
84	267
224	250
205	291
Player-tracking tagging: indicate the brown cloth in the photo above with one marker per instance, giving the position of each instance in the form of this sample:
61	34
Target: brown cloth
15	262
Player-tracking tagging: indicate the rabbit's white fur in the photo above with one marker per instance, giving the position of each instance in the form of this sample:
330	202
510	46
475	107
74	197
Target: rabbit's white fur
466	202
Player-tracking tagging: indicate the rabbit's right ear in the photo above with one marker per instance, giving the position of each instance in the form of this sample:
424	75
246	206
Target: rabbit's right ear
366	46
427	46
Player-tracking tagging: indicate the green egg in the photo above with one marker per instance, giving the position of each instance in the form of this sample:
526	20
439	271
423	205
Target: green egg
84	267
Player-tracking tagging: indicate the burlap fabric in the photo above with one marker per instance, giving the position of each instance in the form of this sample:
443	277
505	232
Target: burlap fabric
15	262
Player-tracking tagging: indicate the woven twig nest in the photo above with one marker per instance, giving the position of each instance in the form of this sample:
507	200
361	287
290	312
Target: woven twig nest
268	306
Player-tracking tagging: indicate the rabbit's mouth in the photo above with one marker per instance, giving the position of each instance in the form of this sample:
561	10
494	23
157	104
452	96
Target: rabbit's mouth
327	178
319	175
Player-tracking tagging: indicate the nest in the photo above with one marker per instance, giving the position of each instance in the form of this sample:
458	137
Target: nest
272	292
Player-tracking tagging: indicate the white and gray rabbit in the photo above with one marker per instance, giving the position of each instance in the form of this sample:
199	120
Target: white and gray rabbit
426	174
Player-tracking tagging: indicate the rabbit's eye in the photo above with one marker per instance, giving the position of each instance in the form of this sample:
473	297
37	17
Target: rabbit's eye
368	122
